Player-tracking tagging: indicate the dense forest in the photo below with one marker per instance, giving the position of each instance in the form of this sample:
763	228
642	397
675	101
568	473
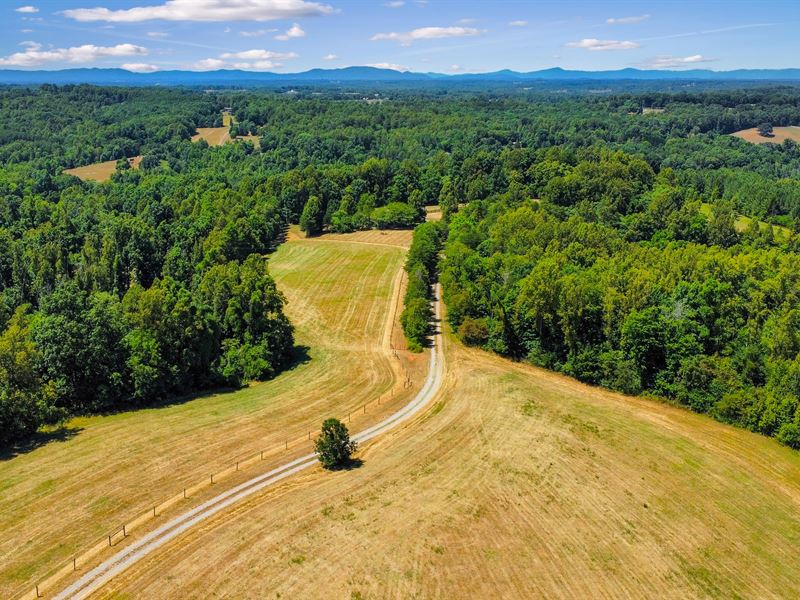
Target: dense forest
581	233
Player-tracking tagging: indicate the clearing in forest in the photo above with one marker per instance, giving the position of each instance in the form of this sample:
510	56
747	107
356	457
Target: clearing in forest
59	499
518	483
779	134
214	136
742	223
101	171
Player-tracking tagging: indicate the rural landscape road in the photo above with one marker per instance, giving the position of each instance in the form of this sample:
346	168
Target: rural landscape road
97	577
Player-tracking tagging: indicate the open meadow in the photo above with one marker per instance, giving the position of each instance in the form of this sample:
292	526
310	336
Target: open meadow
64	496
517	483
215	136
779	134
100	171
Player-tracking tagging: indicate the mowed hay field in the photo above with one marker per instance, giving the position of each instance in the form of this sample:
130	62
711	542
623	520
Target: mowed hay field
517	483
61	498
779	135
215	136
101	171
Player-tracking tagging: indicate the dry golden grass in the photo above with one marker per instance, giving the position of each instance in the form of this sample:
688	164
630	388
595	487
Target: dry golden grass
101	171
779	135
61	498
215	136
253	139
518	483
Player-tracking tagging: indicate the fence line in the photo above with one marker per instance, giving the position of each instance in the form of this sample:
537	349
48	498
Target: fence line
187	492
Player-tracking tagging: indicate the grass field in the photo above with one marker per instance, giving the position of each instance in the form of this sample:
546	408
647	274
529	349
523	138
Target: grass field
101	171
64	496
742	223
518	483
215	136
779	135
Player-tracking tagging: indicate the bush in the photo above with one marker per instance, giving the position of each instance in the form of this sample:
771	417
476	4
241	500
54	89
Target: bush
474	332
789	434
333	446
395	215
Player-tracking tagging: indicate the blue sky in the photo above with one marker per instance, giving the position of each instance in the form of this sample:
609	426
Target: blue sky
446	36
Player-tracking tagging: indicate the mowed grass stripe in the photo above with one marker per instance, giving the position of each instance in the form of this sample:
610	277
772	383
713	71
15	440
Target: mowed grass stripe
64	496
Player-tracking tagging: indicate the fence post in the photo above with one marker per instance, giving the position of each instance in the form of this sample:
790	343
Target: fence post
309	435
109	541
287	444
124	533
262	455
154	512
74	564
184	493
237	465
212	478
37	591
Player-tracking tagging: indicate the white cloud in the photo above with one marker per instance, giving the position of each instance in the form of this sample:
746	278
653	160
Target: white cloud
157	34
395	4
406	38
670	62
140	67
246	60
391	66
210	64
257	54
595	44
26	30
330	57
257	32
518	23
295	31
627	20
27	9
34	55
206	10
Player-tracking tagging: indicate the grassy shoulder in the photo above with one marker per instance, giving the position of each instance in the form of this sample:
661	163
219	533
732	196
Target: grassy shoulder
59	498
518	483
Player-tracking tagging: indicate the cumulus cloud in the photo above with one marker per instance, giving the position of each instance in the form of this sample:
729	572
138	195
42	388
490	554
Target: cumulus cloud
671	62
248	60
27	9
518	23
406	38
295	31
257	54
205	10
595	44
140	67
391	66
330	57
627	20
34	55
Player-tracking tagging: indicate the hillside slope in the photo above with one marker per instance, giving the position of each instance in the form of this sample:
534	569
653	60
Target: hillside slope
59	499
520	483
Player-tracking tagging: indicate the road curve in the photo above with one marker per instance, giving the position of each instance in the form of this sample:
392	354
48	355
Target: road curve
125	558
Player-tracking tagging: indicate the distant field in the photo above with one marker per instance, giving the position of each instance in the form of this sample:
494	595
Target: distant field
779	135
254	139
215	136
518	483
61	498
101	171
742	223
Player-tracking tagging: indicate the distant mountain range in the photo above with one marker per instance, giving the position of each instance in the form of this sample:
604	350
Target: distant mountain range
346	75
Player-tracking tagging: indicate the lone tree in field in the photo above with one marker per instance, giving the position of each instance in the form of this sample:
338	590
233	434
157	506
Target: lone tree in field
333	445
765	130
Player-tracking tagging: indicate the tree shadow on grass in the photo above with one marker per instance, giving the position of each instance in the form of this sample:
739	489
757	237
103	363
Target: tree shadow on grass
38	439
353	463
300	356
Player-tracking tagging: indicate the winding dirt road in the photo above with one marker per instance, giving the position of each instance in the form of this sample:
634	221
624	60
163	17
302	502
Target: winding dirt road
97	577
